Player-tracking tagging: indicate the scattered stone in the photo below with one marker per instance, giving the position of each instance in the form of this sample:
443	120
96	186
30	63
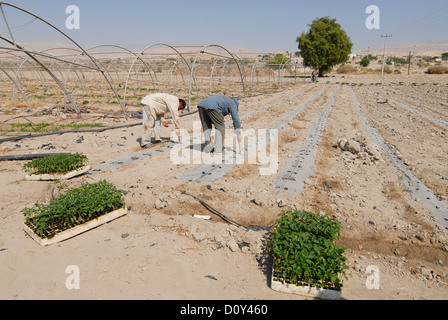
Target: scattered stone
243	244
160	204
428	274
352	146
420	237
232	245
198	236
281	203
258	202
47	146
341	144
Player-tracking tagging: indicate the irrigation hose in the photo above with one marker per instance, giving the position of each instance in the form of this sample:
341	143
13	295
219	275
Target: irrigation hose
225	218
19	157
82	130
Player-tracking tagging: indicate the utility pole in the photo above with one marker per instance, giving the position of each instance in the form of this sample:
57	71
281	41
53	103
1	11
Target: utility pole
409	66
384	53
413	56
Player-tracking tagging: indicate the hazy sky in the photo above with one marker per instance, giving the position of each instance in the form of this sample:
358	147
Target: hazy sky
257	24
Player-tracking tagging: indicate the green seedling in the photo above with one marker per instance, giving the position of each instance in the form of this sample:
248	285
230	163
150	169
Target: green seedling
304	252
73	208
58	163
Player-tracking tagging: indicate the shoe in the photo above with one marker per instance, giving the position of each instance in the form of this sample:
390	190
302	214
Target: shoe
209	148
147	145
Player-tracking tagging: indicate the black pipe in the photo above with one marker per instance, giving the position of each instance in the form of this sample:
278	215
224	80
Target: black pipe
27	156
211	209
83	130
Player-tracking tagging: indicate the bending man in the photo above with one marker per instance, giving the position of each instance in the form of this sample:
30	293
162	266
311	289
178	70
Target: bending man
212	112
155	106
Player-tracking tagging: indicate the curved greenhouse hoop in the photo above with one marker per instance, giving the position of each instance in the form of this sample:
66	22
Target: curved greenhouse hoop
42	53
142	53
16	86
105	70
201	51
29	53
16	83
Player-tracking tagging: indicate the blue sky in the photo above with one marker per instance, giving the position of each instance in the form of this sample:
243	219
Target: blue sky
257	24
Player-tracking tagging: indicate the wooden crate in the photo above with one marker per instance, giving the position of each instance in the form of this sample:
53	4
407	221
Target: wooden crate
70	233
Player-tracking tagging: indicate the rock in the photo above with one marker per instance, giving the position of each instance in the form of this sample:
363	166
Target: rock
341	144
373	151
420	237
281	203
243	244
232	245
352	146
258	202
159	204
198	236
426	273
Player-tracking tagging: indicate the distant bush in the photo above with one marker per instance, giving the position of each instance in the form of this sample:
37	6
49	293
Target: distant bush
347	69
365	62
388	70
399	61
437	69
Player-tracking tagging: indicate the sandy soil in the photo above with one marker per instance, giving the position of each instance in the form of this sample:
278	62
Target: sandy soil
159	250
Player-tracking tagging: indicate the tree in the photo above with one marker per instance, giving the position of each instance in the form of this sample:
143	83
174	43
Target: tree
325	45
277	61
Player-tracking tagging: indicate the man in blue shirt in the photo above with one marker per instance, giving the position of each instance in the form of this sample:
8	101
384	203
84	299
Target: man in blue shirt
212	112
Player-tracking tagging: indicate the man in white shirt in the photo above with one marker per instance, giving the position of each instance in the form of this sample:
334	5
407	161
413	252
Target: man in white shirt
155	106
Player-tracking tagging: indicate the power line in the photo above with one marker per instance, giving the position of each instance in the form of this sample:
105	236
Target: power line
19	26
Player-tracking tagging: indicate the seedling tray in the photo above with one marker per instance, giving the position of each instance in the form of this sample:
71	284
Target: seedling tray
70	233
55	176
307	291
